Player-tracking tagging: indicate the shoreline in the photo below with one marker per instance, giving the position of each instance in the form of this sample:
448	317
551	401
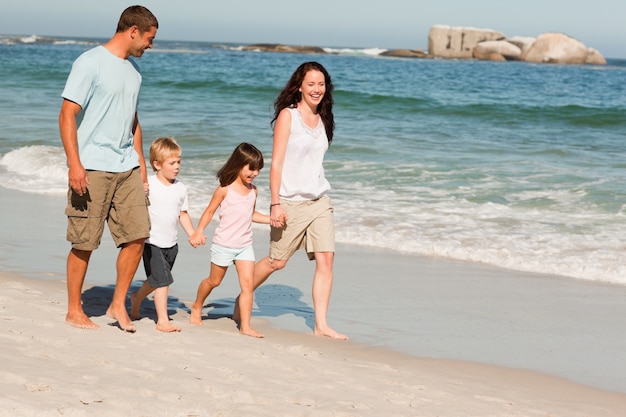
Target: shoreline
417	306
52	369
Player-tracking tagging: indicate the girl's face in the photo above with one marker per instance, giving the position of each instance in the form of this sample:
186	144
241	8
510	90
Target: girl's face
168	169
247	175
313	88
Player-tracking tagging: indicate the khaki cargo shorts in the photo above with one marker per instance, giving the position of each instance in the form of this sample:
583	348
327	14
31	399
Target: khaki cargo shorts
117	198
310	225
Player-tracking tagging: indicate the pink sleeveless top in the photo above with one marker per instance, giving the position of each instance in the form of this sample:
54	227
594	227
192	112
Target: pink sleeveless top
235	227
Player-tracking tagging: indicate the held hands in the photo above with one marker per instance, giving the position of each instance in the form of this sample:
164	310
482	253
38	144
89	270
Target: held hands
278	217
197	239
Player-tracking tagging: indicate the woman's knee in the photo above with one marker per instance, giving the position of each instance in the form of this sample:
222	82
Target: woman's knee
277	264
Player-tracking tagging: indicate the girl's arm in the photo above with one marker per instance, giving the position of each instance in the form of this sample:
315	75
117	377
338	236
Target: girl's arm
198	235
282	127
259	217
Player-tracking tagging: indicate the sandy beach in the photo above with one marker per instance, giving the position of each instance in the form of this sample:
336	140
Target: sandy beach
555	337
52	369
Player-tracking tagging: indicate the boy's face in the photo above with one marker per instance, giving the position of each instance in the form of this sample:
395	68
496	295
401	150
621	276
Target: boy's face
168	169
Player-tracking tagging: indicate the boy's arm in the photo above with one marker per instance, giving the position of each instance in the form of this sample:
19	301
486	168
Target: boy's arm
185	221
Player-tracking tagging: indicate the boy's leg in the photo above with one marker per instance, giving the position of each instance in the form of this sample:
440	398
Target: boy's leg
160	303
137	297
245	270
204	289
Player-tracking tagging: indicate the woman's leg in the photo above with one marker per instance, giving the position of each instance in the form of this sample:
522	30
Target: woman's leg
322	287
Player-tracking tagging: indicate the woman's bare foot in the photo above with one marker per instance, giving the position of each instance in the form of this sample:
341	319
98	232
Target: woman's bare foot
328	332
251	332
123	321
167	327
81	321
196	315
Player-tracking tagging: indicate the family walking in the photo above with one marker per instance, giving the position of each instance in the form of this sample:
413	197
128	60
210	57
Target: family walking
109	183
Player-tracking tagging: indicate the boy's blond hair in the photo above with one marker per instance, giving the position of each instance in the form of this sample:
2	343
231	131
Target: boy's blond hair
163	148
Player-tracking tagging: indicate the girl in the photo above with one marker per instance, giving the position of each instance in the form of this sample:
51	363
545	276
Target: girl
232	241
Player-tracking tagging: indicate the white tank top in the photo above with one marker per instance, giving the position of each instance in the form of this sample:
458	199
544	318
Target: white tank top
303	173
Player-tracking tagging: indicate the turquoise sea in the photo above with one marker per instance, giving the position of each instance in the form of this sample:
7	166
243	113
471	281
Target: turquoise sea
486	164
510	164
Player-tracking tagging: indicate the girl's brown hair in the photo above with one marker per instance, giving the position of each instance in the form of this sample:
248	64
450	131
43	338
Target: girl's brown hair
244	154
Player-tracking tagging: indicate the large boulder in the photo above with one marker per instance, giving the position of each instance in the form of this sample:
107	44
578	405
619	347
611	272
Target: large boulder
556	48
458	42
277	47
405	53
497	51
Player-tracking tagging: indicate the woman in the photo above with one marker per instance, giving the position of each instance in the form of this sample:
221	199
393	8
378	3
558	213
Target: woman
300	211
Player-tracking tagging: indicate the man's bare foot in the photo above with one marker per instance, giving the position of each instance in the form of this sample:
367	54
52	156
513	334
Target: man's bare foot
81	321
328	332
251	332
123	321
196	315
134	307
167	327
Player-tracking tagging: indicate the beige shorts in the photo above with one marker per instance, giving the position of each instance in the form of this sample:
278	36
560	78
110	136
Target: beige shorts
309	225
117	198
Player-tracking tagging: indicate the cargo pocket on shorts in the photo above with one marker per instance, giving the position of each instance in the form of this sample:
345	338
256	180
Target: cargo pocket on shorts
77	218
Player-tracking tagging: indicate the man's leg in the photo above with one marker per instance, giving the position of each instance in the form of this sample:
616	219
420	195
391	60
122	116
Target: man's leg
127	263
77	263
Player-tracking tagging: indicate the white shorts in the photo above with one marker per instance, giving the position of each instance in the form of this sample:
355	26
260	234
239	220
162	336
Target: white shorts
223	256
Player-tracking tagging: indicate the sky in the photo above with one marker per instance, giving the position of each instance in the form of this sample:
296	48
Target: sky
389	24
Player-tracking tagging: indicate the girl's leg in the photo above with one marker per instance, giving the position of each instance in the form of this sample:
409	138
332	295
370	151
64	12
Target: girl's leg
245	270
160	303
204	289
262	270
322	286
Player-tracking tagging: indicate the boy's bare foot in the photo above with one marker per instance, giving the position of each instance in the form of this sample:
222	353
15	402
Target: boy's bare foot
134	307
196	315
251	332
328	332
81	321
167	327
122	320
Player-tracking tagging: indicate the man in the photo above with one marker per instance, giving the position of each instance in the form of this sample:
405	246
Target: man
101	135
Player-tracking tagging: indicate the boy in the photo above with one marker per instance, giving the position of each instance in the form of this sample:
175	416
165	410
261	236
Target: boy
168	206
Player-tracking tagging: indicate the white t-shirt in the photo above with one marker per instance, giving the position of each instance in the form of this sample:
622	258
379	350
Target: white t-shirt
166	203
303	173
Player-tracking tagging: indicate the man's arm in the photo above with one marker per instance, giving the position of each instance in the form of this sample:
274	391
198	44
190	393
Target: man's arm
77	176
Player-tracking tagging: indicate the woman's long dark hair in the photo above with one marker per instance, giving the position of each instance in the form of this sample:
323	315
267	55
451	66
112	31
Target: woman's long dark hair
290	96
244	154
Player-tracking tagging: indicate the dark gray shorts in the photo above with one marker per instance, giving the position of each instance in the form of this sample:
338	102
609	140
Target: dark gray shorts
158	263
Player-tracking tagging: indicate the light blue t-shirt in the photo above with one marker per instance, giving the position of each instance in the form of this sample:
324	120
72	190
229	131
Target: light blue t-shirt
107	89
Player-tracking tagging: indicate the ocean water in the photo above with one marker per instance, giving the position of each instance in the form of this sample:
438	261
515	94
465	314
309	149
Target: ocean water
515	165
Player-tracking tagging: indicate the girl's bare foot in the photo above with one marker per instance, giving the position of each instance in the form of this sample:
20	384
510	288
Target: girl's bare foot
196	315
81	321
167	327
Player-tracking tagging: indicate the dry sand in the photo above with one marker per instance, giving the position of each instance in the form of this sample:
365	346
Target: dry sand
49	368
